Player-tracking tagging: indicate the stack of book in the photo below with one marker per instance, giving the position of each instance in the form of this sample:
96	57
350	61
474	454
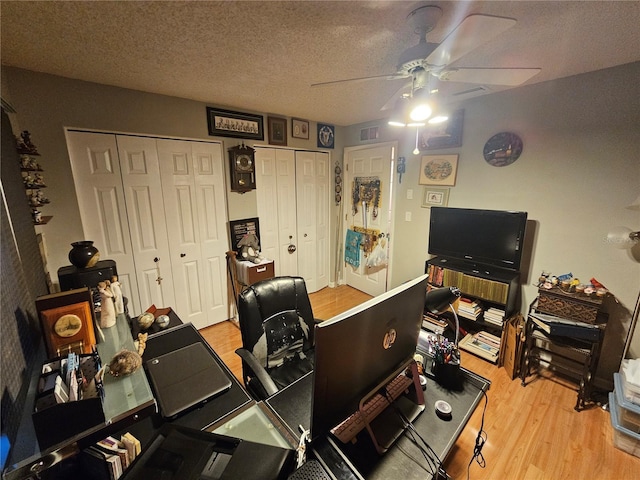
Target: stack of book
494	316
470	309
482	344
109	458
433	323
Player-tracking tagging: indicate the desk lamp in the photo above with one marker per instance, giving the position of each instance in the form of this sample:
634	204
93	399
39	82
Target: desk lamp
446	364
439	300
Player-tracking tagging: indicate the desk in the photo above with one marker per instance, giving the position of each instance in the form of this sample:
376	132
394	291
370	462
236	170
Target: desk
403	461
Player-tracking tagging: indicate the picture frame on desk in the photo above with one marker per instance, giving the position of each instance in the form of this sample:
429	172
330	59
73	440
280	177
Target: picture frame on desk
67	320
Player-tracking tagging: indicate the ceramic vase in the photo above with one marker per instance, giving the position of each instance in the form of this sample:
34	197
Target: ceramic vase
84	254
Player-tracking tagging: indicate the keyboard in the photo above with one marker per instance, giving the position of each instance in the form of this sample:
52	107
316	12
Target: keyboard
347	430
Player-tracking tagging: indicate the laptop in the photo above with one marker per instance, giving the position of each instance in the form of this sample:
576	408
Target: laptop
185	378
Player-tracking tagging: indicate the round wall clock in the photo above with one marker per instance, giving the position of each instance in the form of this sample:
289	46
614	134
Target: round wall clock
502	149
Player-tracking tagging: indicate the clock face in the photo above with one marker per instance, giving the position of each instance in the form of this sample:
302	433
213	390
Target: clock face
244	163
502	149
67	325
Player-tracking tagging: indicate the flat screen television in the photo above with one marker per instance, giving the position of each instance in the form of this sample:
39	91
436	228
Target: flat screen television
484	237
353	354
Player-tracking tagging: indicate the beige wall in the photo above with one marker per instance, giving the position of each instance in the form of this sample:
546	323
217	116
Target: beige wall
46	104
578	170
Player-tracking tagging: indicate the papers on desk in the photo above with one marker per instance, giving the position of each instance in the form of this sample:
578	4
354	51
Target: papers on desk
553	325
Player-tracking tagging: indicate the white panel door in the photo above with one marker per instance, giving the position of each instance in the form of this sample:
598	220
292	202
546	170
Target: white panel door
312	181
96	173
193	186
146	217
276	197
363	163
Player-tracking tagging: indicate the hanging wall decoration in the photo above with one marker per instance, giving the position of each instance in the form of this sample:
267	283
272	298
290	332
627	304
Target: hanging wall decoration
366	191
439	170
326	135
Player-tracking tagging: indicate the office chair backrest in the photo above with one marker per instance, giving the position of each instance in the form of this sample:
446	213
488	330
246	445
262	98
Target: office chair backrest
276	320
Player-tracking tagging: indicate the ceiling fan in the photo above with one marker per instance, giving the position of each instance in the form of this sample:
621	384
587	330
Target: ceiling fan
425	61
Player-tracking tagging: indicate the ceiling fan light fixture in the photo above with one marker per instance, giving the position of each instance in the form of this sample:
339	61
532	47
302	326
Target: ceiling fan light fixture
420	112
438	119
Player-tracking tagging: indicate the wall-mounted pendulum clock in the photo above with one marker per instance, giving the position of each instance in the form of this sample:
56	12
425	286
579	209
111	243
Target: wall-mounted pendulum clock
242	167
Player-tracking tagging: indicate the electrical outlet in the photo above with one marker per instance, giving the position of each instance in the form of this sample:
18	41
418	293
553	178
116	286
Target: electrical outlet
410	194
407	216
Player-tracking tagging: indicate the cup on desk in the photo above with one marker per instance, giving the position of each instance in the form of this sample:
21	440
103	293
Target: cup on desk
447	373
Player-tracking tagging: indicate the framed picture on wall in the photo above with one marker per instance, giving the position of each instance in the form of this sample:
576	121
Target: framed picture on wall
435	197
299	128
439	170
442	135
227	123
277	130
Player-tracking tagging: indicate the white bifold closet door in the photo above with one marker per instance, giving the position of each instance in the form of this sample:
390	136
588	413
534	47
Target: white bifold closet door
157	208
293	209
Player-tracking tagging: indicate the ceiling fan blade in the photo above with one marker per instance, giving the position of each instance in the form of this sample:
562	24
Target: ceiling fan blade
389	76
490	76
402	91
472	32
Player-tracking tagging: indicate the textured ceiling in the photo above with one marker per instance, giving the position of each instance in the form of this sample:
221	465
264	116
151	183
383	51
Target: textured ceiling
264	56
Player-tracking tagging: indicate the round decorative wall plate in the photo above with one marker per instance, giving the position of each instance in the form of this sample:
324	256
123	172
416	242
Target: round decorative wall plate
502	149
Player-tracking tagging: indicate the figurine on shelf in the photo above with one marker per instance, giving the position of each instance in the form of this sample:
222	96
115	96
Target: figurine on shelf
29	181
41	198
25	162
24	144
34	200
107	307
39	180
116	289
37	216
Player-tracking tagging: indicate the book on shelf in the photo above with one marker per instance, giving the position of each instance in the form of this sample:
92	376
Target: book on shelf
494	316
470	309
433	323
132	444
478	345
114	447
554	325
100	465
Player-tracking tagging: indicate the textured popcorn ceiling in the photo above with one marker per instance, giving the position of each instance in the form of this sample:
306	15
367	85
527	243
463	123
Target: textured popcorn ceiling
263	56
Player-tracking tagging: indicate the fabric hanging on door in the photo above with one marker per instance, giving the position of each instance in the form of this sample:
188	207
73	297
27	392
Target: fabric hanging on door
352	248
366	190
368	240
378	257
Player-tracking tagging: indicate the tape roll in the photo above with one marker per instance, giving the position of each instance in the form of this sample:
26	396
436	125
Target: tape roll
443	409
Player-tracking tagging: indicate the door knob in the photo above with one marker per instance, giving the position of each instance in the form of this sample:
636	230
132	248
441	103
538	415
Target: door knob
183	255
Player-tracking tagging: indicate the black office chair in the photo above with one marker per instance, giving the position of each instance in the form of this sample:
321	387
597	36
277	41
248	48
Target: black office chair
277	327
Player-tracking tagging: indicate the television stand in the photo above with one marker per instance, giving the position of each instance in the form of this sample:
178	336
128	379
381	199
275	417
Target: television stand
493	292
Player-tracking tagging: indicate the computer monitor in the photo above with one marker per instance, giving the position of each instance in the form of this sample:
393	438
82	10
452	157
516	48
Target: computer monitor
356	350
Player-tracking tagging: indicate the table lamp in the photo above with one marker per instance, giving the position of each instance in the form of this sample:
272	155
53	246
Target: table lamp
446	362
439	300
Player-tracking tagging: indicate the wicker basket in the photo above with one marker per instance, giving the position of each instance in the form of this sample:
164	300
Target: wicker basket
570	305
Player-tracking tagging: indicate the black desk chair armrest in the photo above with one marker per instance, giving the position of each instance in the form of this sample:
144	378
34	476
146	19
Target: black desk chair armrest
260	374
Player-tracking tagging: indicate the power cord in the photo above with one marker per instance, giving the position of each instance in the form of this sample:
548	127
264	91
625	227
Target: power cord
481	439
433	462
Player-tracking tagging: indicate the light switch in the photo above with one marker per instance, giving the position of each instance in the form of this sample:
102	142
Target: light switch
410	194
407	216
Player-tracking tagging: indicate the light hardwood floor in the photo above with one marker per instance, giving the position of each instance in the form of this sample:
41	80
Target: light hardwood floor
533	431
